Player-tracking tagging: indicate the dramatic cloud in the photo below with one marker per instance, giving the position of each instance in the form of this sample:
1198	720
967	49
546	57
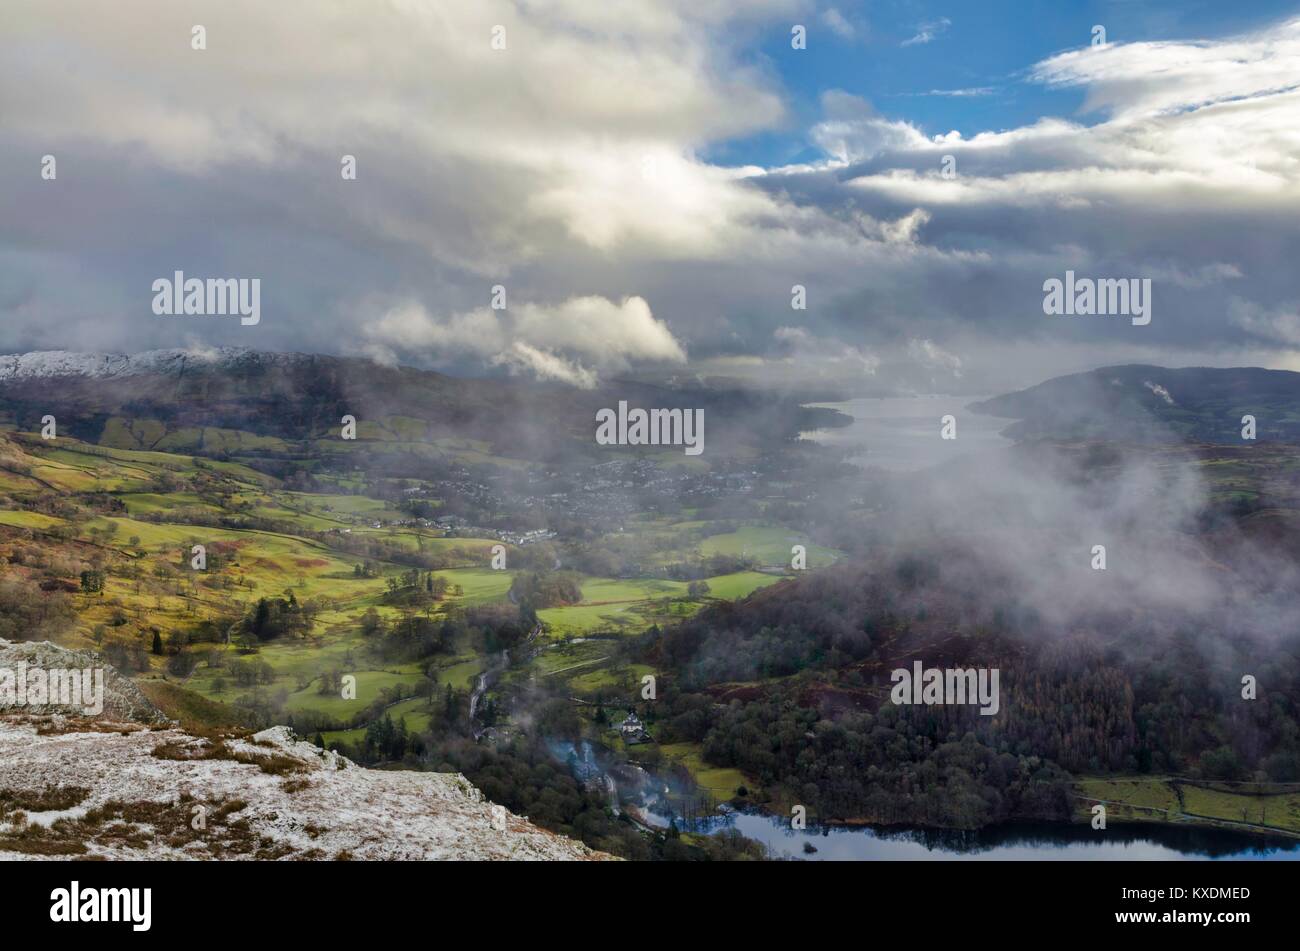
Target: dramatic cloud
475	166
1190	178
568	167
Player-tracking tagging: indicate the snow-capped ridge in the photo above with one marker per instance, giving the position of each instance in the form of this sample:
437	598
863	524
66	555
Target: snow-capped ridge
45	364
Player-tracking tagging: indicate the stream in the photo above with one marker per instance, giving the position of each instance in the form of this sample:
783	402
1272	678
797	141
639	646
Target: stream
485	680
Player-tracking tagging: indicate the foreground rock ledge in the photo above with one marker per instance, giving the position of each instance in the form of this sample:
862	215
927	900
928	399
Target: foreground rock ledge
96	789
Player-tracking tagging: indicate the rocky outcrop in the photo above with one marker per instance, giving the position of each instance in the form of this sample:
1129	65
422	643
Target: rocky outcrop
122	700
130	785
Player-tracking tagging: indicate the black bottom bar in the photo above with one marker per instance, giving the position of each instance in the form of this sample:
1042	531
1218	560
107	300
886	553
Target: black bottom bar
284	901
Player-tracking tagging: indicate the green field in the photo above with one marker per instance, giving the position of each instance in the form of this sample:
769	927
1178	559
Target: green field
34	520
459	674
611	606
480	584
740	584
721	783
369	685
623	681
577	620
1156	799
767	545
414	711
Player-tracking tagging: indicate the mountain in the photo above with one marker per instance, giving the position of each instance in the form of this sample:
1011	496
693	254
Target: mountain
286	395
165	399
120	786
1139	403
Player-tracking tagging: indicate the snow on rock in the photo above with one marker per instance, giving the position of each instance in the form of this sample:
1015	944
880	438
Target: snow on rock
136	794
129	784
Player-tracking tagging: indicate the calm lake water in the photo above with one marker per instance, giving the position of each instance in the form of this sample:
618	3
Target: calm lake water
1037	841
901	434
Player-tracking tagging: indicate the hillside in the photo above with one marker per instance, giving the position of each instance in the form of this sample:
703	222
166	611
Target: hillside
1140	403
234	402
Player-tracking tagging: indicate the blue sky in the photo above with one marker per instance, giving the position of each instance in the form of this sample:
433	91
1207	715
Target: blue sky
986	46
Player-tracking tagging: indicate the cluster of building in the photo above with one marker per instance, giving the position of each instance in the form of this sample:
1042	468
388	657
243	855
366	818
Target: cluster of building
632	730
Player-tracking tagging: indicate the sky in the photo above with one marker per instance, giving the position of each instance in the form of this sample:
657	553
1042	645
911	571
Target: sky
644	186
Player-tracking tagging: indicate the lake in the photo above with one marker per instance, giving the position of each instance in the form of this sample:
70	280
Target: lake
1016	841
901	434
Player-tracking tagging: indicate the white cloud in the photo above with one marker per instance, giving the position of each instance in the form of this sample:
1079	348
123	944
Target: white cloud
1280	323
1143	79
545	365
853	132
826	357
838	23
1159	391
572	341
965	92
609	334
556	125
933	357
926	32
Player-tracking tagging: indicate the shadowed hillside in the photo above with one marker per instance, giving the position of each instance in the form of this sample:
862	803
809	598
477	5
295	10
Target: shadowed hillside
1154	404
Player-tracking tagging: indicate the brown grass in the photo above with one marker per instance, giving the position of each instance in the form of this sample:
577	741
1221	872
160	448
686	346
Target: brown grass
49	799
276	764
